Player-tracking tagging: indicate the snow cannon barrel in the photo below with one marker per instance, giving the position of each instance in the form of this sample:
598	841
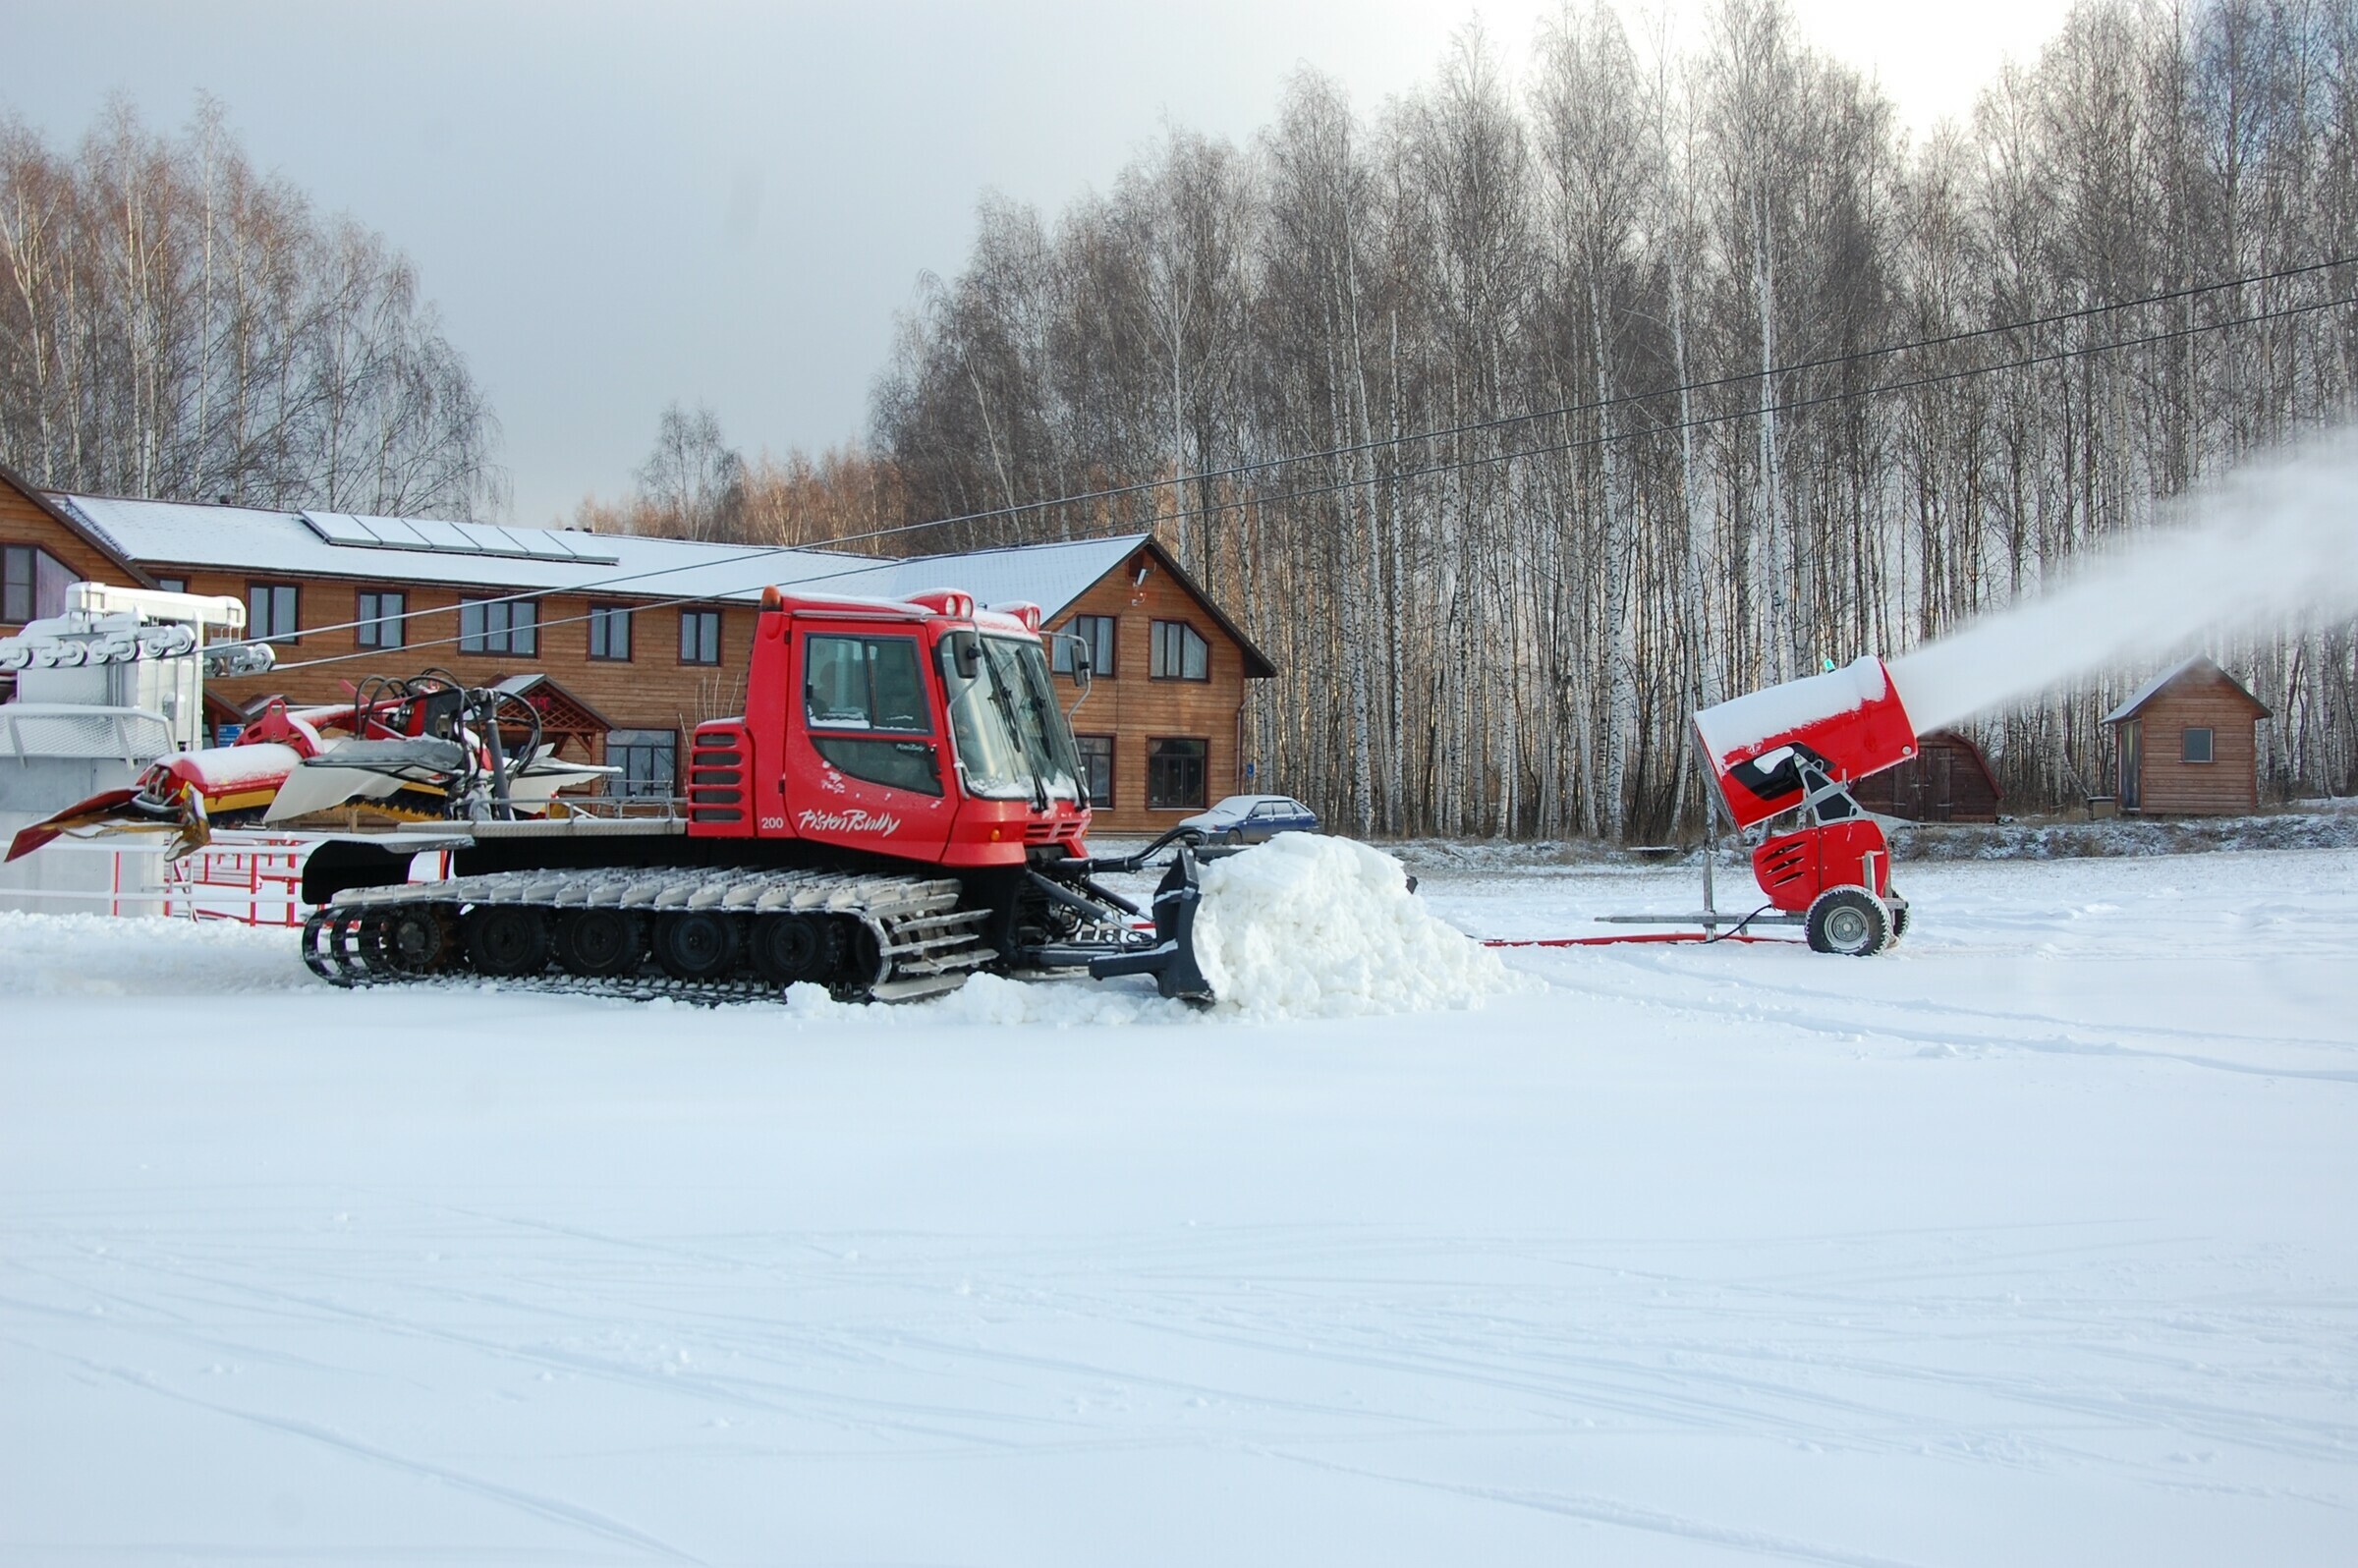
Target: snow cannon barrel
1849	722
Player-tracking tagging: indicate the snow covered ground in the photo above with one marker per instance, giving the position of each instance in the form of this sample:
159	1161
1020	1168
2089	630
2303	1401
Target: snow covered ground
2033	1242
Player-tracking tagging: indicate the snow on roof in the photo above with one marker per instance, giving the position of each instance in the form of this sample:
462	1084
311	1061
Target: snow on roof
1050	576
2153	688
518	558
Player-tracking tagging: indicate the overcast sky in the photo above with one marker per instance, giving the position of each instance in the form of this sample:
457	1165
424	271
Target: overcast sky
618	205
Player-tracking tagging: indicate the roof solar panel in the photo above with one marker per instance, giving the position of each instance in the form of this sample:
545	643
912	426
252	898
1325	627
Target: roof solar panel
338	528
448	538
452	539
396	534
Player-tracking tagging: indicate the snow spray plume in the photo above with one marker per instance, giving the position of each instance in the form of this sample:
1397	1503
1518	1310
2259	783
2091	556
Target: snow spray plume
2273	545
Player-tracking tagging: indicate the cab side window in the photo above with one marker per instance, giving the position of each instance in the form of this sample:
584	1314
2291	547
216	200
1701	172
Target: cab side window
864	697
864	683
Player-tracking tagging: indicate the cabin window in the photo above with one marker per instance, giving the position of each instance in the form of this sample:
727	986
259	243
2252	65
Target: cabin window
699	636
1180	652
172	585
380	620
864	683
32	584
273	612
2194	746
1177	772
646	759
1096	634
1096	768
610	633
500	626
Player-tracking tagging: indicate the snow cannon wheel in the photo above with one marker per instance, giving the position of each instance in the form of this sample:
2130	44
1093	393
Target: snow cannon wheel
789	949
1899	919
507	939
600	943
1849	920
697	944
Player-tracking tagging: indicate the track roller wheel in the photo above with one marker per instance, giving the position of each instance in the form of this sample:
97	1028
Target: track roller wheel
697	944
787	949
508	939
1849	920
416	939
600	943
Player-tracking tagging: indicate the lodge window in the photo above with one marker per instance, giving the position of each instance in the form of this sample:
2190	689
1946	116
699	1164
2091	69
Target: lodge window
610	633
172	585
380	619
647	760
271	611
32	584
1097	634
1096	768
500	626
2194	746
1177	770
1180	652
699	636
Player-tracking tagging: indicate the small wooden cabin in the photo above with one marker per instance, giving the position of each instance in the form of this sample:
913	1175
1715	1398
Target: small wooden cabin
2188	744
1948	780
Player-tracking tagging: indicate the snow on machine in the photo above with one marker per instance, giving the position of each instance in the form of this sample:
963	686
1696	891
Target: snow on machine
420	749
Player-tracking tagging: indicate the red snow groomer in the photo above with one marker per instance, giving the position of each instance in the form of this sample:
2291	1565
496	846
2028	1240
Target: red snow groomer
1798	748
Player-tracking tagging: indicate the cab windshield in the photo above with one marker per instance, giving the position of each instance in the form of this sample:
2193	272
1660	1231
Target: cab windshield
1011	736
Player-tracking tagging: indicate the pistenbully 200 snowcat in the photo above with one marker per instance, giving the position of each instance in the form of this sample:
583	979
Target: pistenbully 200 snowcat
899	806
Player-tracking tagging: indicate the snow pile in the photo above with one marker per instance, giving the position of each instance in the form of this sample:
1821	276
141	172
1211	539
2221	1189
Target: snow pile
1306	926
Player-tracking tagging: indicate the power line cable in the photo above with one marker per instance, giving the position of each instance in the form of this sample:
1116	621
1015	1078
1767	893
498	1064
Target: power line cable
1500	422
1470	427
2028	361
1308	492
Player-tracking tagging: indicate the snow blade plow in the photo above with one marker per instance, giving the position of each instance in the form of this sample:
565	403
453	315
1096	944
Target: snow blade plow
898	806
1798	748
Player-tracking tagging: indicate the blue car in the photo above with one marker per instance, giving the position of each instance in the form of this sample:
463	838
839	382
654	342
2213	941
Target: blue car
1253	818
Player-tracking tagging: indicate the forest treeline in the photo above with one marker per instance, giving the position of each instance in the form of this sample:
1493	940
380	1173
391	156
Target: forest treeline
173	323
1683	267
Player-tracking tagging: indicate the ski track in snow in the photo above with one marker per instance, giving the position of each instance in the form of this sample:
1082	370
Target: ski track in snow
2029	1242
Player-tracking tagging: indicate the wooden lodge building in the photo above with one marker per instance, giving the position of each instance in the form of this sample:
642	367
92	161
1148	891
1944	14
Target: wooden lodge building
2188	744
626	643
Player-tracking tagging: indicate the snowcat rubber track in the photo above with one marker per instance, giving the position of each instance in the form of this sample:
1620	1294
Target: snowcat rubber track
918	942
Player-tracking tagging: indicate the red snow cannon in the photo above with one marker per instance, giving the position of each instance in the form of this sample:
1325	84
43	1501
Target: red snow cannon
1799	747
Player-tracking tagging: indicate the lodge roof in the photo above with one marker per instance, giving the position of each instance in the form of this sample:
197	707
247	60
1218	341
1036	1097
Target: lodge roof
145	534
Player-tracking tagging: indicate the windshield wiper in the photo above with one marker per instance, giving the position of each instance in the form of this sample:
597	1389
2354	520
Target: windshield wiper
1015	732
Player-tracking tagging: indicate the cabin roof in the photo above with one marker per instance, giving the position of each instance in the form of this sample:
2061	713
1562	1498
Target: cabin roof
2197	664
